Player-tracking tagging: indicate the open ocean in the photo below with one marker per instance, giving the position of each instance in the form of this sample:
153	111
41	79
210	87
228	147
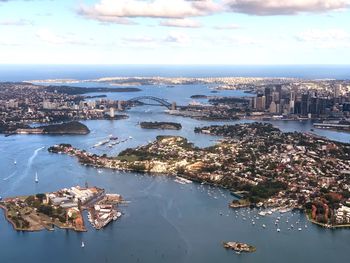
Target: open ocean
29	72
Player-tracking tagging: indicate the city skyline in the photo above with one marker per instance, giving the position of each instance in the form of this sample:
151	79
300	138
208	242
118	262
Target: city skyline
174	32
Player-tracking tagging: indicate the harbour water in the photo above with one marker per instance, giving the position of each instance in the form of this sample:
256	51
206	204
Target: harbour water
165	221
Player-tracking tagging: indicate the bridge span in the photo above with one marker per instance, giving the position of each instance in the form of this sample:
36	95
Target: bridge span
158	101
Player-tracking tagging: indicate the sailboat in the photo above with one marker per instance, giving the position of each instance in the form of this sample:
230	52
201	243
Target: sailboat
36	178
82	244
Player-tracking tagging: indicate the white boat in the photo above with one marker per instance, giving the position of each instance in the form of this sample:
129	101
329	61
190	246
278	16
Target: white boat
36	178
299	228
264	226
182	180
278	230
82	244
15	162
262	213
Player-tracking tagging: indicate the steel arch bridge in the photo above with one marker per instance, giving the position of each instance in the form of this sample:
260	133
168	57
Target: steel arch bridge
161	102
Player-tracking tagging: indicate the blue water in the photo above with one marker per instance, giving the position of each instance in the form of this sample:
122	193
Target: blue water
165	221
29	72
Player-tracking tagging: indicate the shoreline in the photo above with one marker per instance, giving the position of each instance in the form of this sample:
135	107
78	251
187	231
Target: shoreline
38	229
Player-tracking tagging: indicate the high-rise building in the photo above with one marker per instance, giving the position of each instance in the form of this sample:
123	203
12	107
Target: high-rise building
268	97
292	102
304	104
260	102
337	89
273	107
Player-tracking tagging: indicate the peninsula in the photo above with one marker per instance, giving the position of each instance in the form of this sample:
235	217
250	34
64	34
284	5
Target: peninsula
62	209
269	167
72	128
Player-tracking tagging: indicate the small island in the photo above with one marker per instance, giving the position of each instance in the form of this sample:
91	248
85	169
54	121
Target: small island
62	209
239	247
199	96
161	125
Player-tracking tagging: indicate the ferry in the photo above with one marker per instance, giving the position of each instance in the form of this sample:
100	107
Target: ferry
181	180
101	143
262	213
284	210
117	215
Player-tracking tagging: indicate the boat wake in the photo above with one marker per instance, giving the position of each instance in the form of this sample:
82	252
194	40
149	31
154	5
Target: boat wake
26	172
10	176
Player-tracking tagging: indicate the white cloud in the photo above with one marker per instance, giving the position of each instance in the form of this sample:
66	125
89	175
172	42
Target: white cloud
284	7
188	23
48	36
178	38
111	9
326	38
174	39
19	22
227	27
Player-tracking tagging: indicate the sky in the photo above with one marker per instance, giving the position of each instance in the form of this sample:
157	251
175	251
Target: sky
175	32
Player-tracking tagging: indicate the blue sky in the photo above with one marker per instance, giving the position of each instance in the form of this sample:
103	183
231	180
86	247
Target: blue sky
175	32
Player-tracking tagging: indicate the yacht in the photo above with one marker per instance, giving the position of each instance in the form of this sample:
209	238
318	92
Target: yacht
36	178
82	244
264	226
15	162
